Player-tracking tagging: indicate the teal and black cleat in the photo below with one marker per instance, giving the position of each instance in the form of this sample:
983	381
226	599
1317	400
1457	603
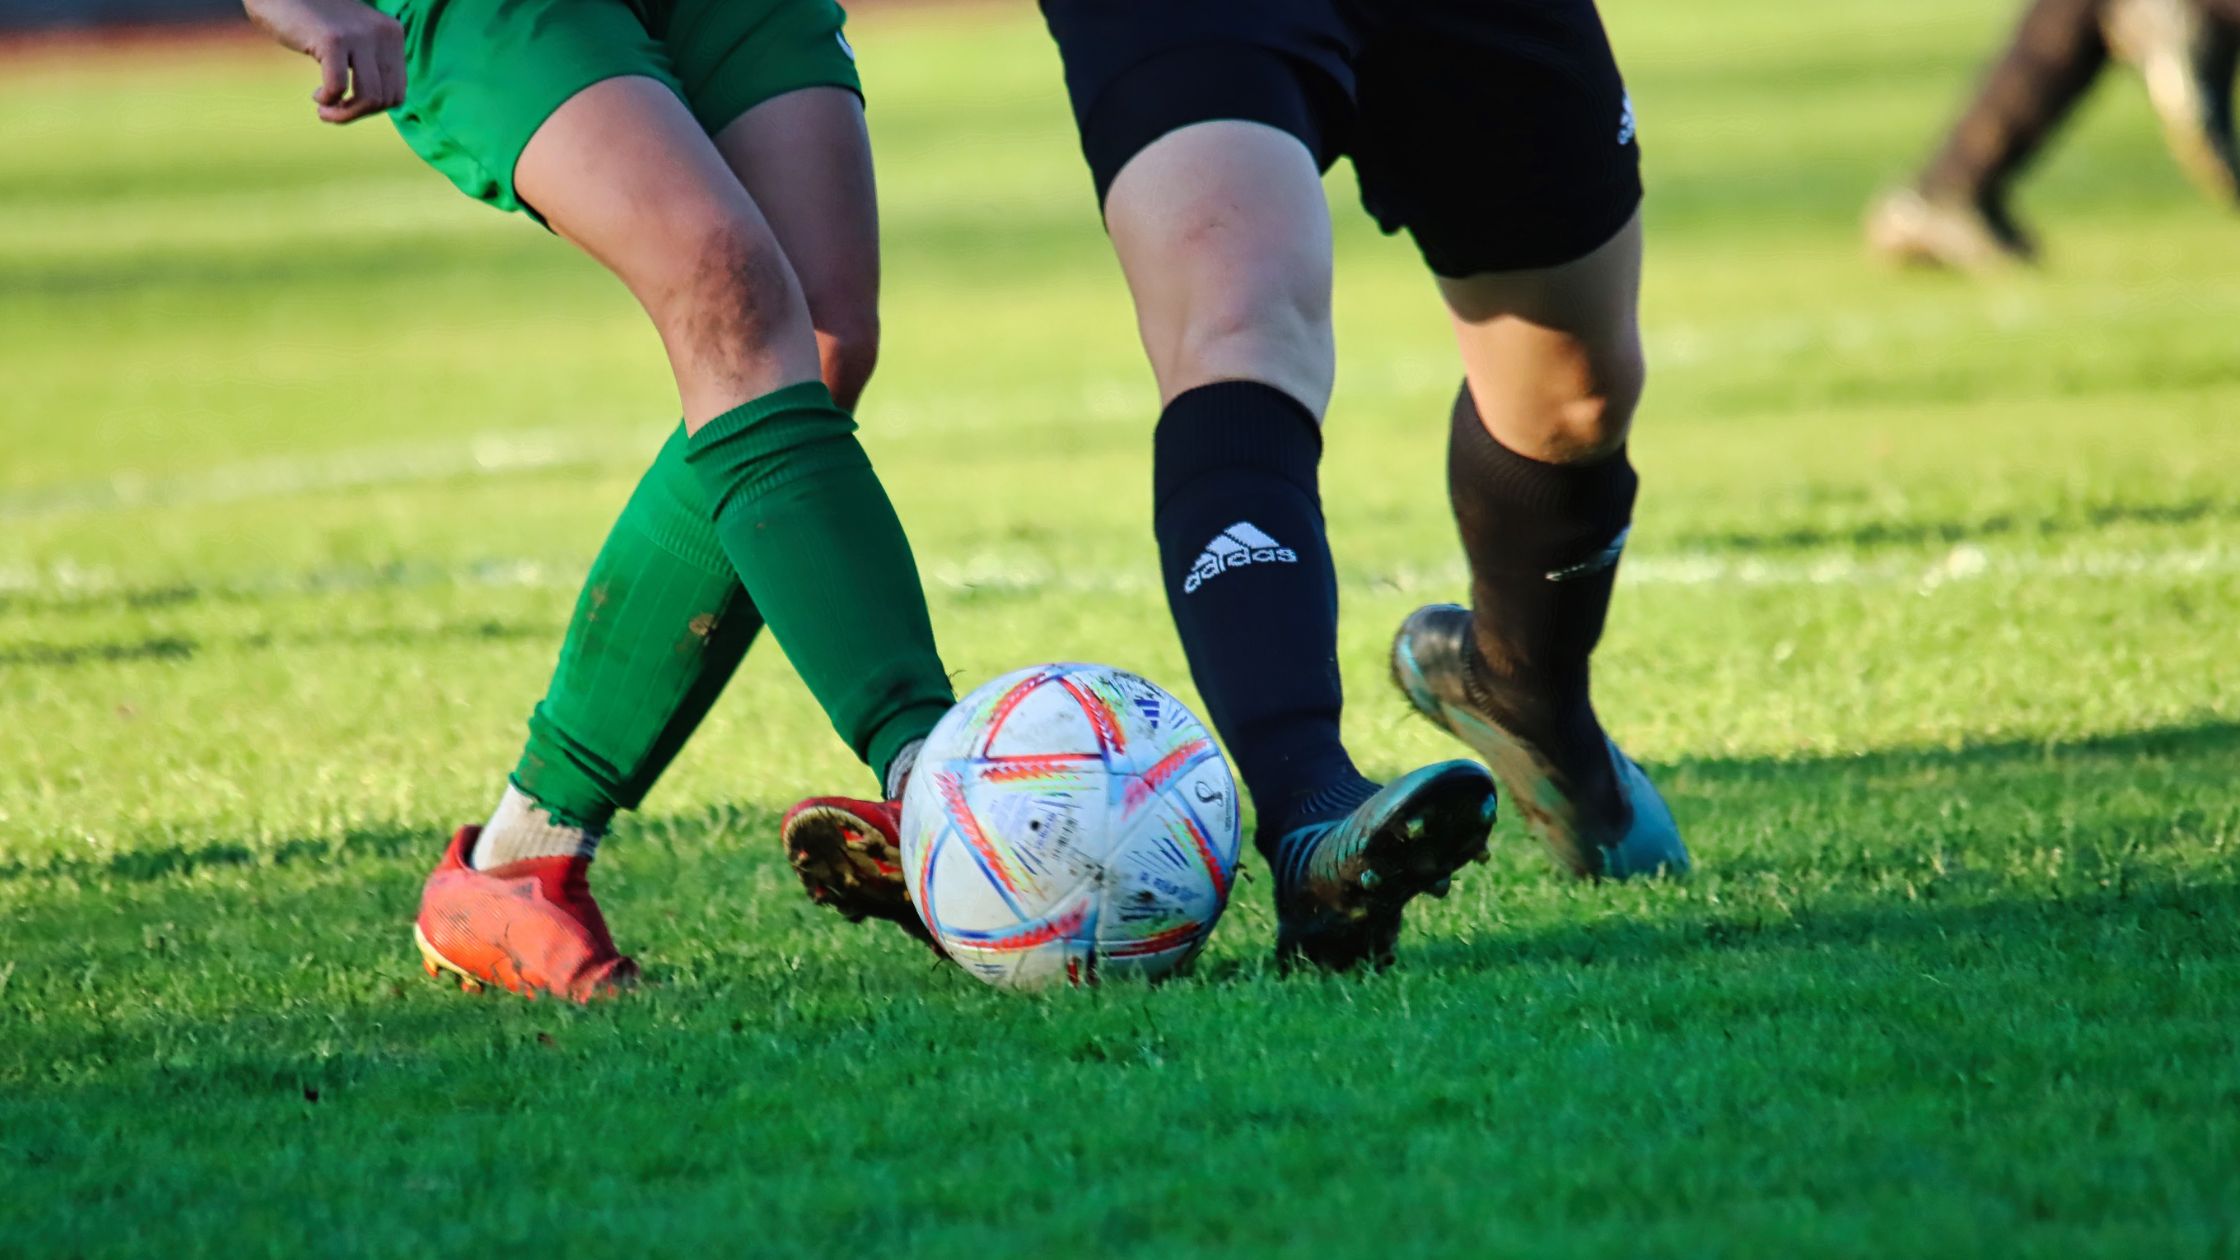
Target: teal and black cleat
1430	662
1343	878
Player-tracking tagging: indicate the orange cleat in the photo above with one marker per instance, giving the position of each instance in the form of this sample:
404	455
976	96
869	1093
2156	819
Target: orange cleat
528	926
848	854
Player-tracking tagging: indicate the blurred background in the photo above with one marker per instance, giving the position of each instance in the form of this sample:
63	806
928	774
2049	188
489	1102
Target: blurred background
25	14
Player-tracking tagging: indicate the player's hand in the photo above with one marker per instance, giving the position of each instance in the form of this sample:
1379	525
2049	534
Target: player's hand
360	51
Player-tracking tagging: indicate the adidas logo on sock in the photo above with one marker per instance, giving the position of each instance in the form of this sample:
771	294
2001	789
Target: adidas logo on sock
1233	548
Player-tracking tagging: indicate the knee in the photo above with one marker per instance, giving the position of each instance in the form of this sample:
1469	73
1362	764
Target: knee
847	351
1277	333
1596	420
1569	408
738	294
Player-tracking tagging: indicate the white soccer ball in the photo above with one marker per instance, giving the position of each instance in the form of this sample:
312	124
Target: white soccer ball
1068	823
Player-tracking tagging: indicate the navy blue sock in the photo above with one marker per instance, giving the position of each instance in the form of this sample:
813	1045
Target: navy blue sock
1249	580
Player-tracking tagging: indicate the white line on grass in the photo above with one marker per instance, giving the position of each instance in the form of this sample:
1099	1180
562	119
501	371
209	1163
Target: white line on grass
494	454
491	454
993	573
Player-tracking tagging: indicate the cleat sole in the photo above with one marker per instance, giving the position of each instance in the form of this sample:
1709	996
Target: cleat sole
842	866
437	966
849	869
1414	851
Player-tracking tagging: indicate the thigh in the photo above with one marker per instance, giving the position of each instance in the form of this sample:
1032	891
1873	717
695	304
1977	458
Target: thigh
805	158
482	76
1498	133
1224	235
623	170
732	55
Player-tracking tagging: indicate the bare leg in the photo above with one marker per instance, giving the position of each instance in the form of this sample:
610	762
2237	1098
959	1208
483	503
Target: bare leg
805	158
625	172
1553	357
1224	237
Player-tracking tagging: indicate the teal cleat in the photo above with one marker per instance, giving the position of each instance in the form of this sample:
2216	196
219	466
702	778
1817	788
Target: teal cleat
1430	662
1342	878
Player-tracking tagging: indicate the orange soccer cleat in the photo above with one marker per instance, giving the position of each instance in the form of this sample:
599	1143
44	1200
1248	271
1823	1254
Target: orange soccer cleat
528	926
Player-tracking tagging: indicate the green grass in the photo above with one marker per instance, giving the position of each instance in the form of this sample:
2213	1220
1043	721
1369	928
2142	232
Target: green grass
1928	632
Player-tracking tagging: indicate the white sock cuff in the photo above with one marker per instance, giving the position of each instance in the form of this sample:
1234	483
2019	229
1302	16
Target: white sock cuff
520	829
898	770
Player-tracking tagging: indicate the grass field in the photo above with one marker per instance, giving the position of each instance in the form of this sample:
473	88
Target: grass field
1928	630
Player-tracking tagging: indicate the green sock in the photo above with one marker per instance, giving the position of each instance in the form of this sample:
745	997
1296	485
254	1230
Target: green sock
812	533
661	625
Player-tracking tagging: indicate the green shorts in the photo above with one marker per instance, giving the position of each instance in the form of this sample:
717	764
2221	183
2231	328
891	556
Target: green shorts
483	75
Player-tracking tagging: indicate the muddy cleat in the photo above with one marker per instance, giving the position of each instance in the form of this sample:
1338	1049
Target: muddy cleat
848	854
2187	58
1430	662
1342	880
1908	226
528	926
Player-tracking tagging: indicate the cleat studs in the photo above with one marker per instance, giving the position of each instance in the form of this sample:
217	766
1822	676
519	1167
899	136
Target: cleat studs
468	984
1442	888
1482	856
1370	879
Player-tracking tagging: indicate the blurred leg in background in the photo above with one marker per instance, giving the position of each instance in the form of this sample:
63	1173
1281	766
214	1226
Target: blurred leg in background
1956	214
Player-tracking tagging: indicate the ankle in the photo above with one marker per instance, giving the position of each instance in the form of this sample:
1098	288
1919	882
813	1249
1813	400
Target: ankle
1553	714
521	828
1331	797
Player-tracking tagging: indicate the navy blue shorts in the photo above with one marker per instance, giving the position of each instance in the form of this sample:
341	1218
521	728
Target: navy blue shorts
1498	133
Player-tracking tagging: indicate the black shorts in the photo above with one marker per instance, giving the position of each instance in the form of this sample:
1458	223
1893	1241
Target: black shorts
1497	132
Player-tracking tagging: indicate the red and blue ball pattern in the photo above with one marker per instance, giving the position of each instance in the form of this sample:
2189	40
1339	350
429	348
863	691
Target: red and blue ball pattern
1067	823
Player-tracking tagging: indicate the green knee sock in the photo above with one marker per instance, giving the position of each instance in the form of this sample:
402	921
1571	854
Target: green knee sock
810	530
661	625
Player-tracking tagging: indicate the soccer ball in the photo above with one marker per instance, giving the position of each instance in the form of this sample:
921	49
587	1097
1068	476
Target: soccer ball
1068	823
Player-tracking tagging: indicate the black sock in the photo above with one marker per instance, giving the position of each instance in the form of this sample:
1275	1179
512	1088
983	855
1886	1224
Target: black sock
1543	542
1249	580
2045	70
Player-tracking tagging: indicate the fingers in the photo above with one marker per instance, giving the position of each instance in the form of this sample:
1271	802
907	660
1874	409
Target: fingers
361	70
334	78
375	88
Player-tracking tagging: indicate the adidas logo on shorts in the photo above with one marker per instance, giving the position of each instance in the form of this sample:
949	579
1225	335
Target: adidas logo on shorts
1233	548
